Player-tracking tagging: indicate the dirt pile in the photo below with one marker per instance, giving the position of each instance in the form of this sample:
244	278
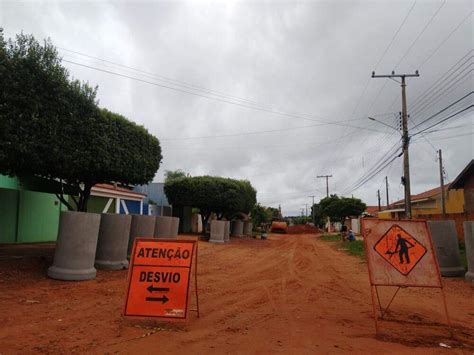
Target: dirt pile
303	229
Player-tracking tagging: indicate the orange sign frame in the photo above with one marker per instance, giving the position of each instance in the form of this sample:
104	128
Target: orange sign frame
390	245
159	277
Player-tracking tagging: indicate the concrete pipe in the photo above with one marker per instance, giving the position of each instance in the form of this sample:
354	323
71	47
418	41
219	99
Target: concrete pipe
237	228
469	240
163	227
174	227
217	231
447	247
75	247
227	231
112	244
248	226
141	226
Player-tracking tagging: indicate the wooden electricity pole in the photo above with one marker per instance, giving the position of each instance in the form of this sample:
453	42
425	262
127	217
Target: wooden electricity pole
406	137
378	197
312	208
441	181
327	182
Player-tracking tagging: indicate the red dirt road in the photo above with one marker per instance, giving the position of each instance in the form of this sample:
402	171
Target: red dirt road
288	294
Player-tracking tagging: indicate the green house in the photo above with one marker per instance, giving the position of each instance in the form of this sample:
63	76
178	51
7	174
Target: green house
29	211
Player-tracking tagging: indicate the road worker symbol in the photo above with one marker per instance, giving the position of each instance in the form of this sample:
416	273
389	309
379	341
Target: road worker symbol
400	249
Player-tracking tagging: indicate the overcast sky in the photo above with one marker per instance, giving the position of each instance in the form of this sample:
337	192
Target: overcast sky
276	92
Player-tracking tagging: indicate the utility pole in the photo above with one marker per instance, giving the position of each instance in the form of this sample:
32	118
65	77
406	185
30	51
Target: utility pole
441	181
386	191
406	138
327	182
312	208
378	197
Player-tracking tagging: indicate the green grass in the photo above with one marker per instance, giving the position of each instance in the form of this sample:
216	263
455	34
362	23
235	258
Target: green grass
331	237
355	248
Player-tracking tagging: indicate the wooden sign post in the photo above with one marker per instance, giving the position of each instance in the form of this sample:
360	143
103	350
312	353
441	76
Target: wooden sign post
159	278
400	253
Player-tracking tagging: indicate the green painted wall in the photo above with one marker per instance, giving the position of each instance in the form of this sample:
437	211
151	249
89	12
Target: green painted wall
38	217
7	182
8	215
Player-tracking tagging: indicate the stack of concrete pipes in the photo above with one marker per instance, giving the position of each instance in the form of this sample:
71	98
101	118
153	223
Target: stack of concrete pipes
220	231
87	241
446	247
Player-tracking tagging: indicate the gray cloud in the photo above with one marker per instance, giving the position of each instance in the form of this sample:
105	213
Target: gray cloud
312	58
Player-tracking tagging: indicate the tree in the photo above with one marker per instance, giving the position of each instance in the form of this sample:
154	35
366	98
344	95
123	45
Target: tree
339	208
223	196
174	174
317	212
51	127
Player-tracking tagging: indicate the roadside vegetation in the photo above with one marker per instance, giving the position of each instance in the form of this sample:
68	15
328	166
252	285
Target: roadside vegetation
355	248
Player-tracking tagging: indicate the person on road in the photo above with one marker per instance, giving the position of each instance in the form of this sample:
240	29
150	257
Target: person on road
351	237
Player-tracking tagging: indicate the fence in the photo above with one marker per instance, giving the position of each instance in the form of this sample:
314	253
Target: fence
458	218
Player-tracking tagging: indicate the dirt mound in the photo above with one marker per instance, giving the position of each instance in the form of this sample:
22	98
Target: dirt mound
303	229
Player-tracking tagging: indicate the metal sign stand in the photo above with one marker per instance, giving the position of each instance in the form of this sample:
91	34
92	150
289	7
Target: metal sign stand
376	297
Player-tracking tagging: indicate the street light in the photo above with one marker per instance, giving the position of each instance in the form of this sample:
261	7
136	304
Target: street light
376	120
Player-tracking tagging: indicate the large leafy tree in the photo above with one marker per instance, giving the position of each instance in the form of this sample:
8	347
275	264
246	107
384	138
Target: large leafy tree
262	214
339	208
174	174
51	127
223	196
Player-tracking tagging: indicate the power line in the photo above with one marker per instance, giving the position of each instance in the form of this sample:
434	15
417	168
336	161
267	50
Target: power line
446	89
256	132
380	162
445	40
444	120
443	110
435	85
386	163
215	98
384	53
169	80
421	33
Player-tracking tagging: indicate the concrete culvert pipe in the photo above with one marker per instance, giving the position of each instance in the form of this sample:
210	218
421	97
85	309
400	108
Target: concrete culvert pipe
112	244
248	226
141	226
237	228
163	227
446	247
76	245
226	231
174	227
469	240
217	231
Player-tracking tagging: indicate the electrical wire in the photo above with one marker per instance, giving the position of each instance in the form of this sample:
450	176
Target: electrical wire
444	120
444	109
218	99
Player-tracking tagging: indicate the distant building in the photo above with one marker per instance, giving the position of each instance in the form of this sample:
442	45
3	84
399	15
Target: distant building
465	181
156	199
459	200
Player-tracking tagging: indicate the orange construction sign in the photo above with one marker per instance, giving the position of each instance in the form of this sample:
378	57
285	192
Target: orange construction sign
400	253
400	249
159	276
